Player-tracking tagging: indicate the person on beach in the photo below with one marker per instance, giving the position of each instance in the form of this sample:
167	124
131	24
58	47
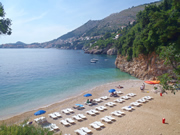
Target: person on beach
91	101
141	88
87	101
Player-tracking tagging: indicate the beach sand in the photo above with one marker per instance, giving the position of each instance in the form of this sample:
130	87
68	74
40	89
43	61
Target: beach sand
144	120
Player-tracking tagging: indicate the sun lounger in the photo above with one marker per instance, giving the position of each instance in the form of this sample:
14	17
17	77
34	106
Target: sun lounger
64	122
104	97
119	100
148	97
119	92
106	119
57	114
142	100
82	116
80	132
95	126
94	111
88	103
52	115
111	104
70	120
103	107
116	114
110	118
99	108
43	119
85	129
135	104
98	100
53	126
90	113
125	97
120	112
76	117
127	108
99	123
70	110
66	111
131	94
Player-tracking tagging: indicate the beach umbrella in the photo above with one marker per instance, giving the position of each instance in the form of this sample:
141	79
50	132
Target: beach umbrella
80	105
112	90
39	112
87	95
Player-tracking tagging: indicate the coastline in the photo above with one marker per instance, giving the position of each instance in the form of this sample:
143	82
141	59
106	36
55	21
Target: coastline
146	119
50	106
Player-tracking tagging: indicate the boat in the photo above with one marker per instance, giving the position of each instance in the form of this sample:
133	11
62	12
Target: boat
152	82
93	61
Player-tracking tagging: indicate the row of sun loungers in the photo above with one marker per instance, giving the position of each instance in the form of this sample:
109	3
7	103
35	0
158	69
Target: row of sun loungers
40	120
97	125
117	113
108	119
55	115
92	112
83	131
104	97
101	108
67	111
111	104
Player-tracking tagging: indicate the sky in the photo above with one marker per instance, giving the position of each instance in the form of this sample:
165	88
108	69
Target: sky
44	20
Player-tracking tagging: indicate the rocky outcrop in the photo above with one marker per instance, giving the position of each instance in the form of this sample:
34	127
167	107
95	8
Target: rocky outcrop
112	51
143	67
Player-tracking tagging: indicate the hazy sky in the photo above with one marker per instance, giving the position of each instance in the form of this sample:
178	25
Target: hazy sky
45	20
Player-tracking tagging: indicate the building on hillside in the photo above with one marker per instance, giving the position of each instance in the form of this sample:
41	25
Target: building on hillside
132	22
122	27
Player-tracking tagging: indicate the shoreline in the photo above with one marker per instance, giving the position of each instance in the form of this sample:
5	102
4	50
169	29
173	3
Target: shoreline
146	119
59	102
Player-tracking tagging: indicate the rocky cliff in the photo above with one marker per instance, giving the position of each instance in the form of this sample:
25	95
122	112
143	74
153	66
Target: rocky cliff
144	67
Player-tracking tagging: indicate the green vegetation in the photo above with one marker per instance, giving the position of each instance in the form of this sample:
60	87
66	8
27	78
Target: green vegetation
157	30
23	130
4	22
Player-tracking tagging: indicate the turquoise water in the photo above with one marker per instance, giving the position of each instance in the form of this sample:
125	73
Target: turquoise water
28	77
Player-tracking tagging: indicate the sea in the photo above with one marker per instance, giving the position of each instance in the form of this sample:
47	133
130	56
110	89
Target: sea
34	78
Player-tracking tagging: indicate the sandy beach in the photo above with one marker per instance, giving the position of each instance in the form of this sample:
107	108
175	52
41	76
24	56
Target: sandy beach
143	120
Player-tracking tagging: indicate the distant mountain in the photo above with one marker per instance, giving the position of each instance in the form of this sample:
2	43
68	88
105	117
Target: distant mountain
91	29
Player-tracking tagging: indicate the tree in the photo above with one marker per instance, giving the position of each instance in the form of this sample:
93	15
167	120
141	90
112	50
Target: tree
5	23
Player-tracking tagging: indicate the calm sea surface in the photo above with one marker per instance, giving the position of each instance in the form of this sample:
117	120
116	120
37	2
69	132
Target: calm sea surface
32	78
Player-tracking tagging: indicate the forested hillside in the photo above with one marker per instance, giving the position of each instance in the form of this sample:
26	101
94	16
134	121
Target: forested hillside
156	27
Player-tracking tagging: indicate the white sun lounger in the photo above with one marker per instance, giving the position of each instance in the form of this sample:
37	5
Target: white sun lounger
66	111
57	114
142	100
80	132
85	129
116	114
110	118
99	123
70	120
125	97
94	111
64	122
131	94
106	119
119	92
99	108
82	116
38	120
120	112
70	110
43	119
104	97
52	115
76	117
135	104
53	126
90	112
148	97
119	100
103	107
95	126
111	104
98	100
127	108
